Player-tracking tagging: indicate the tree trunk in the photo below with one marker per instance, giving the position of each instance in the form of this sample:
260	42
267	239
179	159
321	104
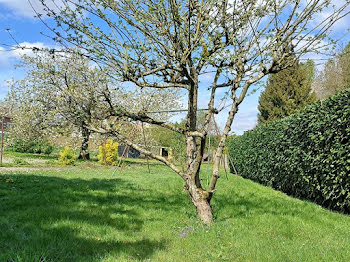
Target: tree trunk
200	198
194	153
204	211
84	154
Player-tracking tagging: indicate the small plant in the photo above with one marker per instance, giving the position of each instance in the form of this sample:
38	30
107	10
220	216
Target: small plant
108	153
20	162
67	156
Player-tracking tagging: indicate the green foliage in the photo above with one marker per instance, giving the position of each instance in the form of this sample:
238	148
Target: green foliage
178	146
47	148
159	136
34	146
67	156
230	138
305	155
177	143
20	162
287	92
108	153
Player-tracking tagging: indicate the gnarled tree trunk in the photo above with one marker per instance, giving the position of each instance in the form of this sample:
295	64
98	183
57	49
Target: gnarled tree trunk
201	200
84	153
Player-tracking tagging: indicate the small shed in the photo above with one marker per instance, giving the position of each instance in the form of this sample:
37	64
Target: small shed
129	153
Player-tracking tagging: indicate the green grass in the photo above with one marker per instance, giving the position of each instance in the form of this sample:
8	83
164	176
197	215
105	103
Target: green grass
18	159
30	155
84	213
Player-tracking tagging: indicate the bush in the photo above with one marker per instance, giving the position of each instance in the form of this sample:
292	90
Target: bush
47	148
305	155
67	156
38	147
108	153
19	145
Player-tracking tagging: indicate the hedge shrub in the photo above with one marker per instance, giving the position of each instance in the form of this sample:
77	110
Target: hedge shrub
306	155
31	146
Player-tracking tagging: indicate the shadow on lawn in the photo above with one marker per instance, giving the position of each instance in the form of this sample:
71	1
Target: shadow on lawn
52	217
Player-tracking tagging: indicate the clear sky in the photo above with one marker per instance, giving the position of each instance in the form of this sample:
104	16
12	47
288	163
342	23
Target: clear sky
18	16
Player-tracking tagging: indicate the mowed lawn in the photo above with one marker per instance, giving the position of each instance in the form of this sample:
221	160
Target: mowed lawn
84	213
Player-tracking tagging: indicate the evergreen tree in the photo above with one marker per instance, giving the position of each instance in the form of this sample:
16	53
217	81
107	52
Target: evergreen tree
287	92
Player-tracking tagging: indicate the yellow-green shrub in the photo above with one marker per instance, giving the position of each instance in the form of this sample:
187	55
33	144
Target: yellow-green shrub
67	156
108	153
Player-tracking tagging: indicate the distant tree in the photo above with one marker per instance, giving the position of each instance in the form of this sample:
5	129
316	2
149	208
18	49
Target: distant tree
59	93
64	94
28	117
335	76
344	60
287	92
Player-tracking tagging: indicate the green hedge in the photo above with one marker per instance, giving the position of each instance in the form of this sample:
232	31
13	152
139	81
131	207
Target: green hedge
33	146
306	155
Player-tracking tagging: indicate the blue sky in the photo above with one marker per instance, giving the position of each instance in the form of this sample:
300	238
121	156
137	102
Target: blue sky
17	15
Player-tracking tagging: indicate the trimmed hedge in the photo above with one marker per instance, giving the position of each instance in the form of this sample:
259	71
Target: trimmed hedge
306	155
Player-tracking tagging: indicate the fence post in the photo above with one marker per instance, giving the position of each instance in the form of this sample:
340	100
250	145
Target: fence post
2	139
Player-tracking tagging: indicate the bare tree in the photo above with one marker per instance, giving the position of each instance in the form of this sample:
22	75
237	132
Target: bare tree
165	44
334	77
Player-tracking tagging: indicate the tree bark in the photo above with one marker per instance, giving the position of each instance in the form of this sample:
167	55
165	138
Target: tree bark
201	200
204	211
84	153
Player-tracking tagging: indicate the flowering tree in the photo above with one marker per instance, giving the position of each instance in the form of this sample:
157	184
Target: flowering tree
59	93
169	44
64	92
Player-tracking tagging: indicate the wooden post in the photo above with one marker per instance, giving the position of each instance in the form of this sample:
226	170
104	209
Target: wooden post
2	139
144	140
219	134
104	149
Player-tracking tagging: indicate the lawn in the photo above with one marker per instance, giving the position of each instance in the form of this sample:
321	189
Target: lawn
84	213
12	159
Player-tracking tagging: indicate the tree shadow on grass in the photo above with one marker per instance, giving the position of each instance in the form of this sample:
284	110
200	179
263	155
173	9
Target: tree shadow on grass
57	219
